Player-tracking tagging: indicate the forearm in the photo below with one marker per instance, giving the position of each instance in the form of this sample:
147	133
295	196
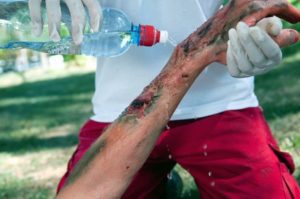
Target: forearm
113	160
109	166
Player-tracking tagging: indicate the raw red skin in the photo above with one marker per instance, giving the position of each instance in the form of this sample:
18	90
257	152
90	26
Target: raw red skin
109	166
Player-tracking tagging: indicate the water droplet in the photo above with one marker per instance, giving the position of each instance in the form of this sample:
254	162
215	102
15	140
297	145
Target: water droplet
212	184
205	146
205	153
168	127
210	174
170	156
169	176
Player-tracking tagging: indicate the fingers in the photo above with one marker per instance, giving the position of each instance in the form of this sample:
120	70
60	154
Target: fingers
251	51
272	25
95	13
287	37
261	71
54	19
285	11
78	19
292	14
233	67
231	63
268	46
254	53
238	52
36	16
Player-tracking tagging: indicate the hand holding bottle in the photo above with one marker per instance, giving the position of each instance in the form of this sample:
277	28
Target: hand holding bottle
77	11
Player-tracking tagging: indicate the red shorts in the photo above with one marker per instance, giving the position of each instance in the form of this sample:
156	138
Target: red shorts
230	155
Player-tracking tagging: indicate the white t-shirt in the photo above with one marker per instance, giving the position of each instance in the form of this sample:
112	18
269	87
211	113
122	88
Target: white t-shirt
121	79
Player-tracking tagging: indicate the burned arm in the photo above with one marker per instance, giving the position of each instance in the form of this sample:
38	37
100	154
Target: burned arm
110	164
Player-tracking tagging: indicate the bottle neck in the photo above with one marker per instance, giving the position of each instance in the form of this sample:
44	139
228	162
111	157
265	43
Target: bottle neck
135	34
145	35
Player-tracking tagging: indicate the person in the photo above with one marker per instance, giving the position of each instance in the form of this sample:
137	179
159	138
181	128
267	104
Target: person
218	132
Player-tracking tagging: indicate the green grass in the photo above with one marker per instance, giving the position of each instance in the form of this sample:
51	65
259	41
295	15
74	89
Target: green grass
40	119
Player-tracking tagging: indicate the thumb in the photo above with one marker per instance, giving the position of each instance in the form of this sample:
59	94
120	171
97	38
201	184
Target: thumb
272	25
287	37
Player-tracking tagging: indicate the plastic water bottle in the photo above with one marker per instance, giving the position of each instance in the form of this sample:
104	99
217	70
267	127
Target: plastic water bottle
116	36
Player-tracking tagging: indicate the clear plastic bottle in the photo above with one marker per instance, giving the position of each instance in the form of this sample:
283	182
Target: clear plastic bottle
116	36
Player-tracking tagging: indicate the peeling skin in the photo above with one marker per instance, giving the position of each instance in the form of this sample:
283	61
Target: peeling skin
282	5
254	7
232	4
186	47
142	105
131	138
214	32
205	30
185	75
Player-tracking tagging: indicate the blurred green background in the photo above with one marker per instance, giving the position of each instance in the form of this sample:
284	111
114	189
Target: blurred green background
45	100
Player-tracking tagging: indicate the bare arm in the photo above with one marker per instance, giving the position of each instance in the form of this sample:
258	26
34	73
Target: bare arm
109	166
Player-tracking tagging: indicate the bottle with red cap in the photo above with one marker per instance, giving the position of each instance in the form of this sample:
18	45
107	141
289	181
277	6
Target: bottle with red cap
116	36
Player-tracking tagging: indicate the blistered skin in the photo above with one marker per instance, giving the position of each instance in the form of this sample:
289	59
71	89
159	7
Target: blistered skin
109	166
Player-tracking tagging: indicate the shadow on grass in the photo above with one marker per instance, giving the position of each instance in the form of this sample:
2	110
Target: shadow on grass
43	114
278	91
30	144
32	109
12	187
75	84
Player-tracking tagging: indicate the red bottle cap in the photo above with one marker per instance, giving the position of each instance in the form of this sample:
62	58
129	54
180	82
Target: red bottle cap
149	35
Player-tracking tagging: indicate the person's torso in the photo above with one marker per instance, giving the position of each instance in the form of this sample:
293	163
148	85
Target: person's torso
119	80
